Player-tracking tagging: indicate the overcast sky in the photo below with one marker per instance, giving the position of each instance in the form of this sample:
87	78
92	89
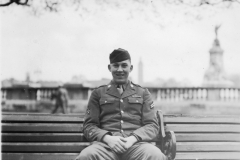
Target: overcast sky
69	43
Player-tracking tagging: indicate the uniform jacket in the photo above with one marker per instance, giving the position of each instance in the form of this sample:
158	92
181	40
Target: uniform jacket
108	112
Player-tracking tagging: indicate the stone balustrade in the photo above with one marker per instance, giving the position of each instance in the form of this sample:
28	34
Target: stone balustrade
201	94
161	94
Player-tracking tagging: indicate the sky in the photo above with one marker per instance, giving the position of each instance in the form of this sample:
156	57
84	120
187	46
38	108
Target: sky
171	41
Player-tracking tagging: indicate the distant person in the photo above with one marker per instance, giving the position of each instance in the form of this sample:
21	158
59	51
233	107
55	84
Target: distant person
61	99
120	119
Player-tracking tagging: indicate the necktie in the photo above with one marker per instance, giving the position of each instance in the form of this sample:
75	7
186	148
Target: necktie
120	89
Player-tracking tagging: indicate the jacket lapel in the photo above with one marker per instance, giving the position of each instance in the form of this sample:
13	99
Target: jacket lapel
112	90
130	90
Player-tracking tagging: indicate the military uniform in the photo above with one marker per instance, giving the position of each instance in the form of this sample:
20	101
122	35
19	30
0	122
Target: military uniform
131	113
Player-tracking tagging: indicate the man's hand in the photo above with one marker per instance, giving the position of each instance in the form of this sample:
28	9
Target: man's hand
129	141
116	143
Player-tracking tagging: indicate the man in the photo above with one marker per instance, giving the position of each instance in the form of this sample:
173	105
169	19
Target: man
120	117
61	99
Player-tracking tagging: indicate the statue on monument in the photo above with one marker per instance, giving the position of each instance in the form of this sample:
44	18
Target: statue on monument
216	30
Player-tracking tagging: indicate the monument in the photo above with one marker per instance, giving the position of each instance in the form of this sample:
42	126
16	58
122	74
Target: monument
140	72
215	75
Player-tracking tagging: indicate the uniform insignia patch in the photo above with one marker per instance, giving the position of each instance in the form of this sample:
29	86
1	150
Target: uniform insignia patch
152	106
136	96
88	111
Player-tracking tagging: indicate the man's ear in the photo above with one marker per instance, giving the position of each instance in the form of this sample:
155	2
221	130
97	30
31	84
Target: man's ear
109	67
131	68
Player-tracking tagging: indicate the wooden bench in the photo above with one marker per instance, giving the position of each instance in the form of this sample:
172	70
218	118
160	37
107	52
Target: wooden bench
59	137
56	137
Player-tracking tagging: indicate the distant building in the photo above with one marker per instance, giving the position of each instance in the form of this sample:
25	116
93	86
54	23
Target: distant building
96	83
22	90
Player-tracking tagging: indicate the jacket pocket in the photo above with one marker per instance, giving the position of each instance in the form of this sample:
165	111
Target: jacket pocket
109	108
134	107
135	100
106	101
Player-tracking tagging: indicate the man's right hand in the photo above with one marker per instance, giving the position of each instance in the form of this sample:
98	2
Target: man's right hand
116	143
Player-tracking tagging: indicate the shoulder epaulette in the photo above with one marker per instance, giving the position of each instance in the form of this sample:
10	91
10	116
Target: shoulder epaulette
136	85
102	86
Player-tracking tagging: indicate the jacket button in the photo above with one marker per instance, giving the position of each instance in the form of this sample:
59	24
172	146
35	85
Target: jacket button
121	121
136	100
121	131
122	112
121	100
105	101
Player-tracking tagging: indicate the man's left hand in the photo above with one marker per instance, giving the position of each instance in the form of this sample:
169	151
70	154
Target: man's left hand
129	141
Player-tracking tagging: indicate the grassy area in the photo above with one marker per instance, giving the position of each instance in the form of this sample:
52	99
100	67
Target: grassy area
199	107
181	107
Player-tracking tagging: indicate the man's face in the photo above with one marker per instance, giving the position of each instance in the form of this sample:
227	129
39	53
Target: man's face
120	71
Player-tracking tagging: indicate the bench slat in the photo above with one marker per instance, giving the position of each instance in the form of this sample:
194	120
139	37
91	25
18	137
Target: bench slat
39	156
208	146
32	127
71	127
78	137
42	118
208	155
44	147
43	114
203	128
207	137
46	137
77	147
71	156
206	119
43	137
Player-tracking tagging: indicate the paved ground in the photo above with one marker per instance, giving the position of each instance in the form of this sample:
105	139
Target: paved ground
200	107
181	107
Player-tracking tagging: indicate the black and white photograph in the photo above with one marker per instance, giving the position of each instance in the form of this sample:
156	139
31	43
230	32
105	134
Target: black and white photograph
120	79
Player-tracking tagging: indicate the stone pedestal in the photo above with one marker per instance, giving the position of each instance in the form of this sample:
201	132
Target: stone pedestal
215	75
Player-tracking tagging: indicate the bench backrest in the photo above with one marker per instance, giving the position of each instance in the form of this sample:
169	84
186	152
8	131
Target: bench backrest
205	137
47	136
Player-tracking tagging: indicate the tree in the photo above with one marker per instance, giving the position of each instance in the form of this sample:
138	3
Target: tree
9	2
56	5
153	11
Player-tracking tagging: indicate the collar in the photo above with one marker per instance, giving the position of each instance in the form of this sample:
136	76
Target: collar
123	85
128	89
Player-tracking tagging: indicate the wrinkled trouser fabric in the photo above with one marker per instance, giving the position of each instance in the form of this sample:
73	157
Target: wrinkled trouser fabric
141	151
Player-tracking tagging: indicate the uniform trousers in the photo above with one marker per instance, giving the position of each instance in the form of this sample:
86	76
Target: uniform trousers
139	151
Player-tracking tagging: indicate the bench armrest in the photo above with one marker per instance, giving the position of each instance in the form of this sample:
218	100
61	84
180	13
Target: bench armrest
169	144
167	138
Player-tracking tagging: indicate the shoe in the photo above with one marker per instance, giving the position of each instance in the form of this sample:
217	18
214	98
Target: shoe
169	145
